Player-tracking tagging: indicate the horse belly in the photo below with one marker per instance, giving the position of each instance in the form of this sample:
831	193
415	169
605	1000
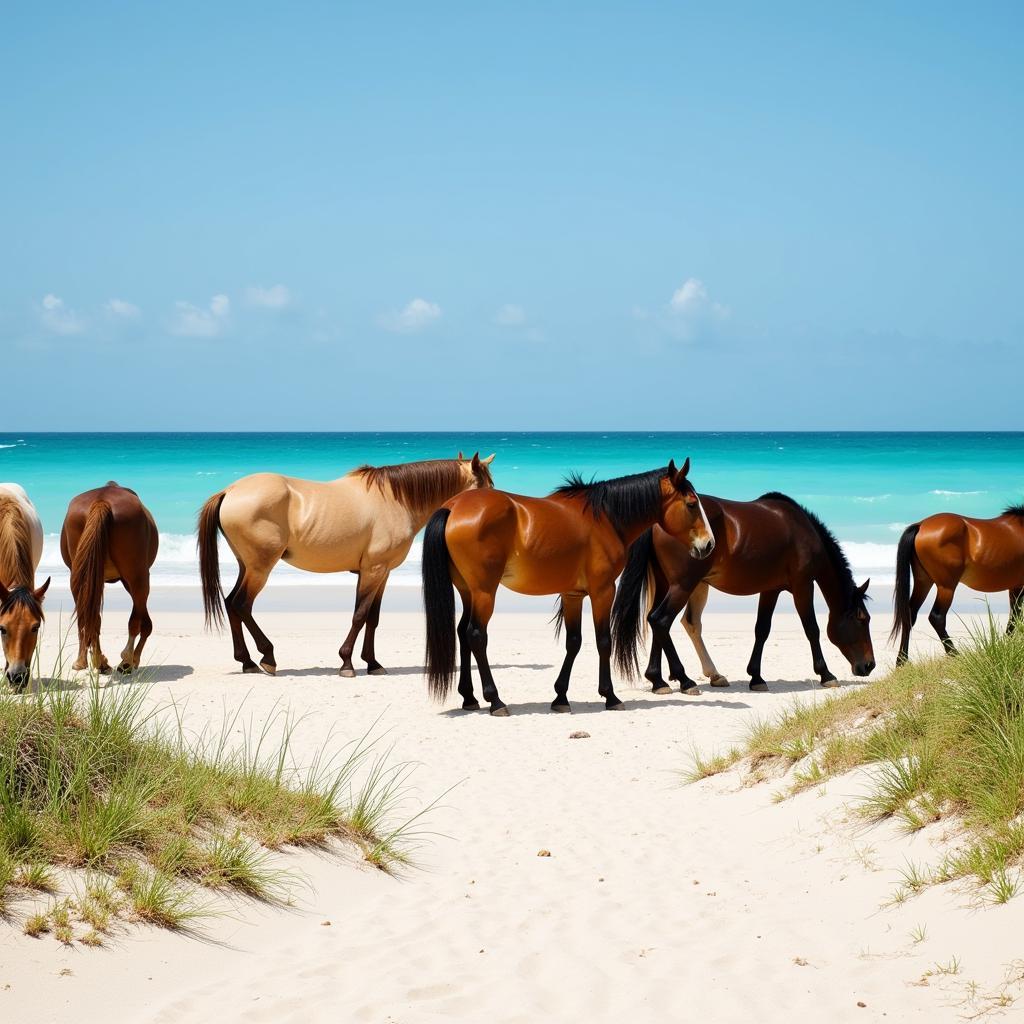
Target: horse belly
321	557
540	576
991	576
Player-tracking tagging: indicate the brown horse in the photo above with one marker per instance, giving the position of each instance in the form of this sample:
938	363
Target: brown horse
763	547
572	543
109	536
364	522
21	604
946	549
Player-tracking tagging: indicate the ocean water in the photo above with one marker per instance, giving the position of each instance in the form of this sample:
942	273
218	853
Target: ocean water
866	486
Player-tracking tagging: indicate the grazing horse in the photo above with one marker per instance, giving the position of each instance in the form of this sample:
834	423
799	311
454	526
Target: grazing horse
109	536
572	543
21	604
762	547
363	522
946	549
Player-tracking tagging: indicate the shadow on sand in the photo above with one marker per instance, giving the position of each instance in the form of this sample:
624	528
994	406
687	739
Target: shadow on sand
402	670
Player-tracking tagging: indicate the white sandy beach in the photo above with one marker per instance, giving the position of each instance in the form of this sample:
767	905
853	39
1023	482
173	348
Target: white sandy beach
660	901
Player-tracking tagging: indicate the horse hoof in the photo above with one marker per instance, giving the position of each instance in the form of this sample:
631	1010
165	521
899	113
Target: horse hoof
499	712
125	669
615	707
347	673
693	690
104	670
269	667
759	687
380	670
251	668
830	683
719	681
561	709
470	705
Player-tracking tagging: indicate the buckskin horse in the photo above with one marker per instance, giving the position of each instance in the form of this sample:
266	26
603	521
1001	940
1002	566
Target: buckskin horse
21	602
762	547
947	549
109	536
363	522
572	543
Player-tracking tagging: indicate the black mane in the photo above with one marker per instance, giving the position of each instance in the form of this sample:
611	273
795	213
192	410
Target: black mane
1014	510
833	551
623	501
21	597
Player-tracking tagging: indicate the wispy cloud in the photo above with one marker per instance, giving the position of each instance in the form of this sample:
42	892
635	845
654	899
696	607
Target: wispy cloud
510	315
123	309
414	317
277	296
198	322
691	300
56	317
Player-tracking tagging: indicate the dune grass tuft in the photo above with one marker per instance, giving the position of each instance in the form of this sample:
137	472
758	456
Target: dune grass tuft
944	738
98	784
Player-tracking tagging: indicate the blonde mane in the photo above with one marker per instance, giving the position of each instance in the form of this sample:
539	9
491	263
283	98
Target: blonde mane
16	569
418	486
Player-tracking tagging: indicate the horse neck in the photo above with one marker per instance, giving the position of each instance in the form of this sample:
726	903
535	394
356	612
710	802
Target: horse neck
16	568
418	517
831	583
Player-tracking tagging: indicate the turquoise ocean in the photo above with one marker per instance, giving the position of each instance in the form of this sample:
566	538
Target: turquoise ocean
866	486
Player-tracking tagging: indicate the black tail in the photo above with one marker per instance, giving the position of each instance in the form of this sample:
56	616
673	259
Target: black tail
439	604
209	560
630	607
901	592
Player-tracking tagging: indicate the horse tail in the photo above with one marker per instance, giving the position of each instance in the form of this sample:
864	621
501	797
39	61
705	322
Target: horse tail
558	619
439	605
209	561
631	602
87	570
905	553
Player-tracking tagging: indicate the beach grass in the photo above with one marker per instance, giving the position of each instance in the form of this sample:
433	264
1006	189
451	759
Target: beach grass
107	794
944	739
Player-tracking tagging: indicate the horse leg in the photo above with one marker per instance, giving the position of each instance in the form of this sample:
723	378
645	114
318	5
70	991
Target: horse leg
922	584
937	616
482	607
82	661
660	621
139	624
653	671
803	598
572	610
469	701
762	627
367	588
601	606
369	654
241	651
253	582
1016	609
692	625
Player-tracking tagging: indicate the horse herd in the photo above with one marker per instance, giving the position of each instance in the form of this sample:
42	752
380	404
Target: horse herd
643	548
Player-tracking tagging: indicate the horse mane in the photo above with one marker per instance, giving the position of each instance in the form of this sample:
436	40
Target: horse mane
22	597
623	501
418	486
15	545
1014	510
833	551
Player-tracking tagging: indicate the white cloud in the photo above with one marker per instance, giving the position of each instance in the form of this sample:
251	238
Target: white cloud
691	308
55	316
275	297
119	307
196	322
414	317
510	315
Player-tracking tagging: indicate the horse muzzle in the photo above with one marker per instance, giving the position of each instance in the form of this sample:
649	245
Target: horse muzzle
17	676
700	551
863	668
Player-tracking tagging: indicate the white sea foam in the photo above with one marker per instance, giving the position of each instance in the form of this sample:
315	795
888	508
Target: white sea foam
955	494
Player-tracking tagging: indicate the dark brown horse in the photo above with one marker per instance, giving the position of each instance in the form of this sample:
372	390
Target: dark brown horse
947	549
109	535
762	547
572	543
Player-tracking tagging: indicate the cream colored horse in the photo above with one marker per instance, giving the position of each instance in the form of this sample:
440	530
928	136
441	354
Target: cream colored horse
363	522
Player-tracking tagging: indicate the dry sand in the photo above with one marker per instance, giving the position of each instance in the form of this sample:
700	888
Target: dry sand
659	901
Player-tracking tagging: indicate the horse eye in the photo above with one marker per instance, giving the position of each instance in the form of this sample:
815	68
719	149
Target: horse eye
35	628
3	631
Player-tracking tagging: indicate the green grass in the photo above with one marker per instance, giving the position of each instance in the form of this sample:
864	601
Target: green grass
944	738
100	784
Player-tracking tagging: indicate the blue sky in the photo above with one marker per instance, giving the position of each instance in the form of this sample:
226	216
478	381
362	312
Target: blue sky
511	216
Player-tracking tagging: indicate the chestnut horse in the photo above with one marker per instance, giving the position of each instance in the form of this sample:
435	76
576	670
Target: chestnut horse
572	543
21	604
946	549
763	547
364	523
109	536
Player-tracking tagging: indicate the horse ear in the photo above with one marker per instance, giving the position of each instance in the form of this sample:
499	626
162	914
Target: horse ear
672	468
41	592
4	593
476	461
863	588
685	471
489	459
460	456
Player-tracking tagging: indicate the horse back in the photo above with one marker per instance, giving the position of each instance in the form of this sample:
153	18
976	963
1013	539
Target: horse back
133	537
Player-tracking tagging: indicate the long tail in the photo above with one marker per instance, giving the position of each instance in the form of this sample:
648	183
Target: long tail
628	616
87	569
901	592
439	604
209	561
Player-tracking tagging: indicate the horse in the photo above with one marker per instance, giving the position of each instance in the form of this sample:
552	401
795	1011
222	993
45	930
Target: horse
572	543
363	522
21	602
109	536
947	549
763	547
